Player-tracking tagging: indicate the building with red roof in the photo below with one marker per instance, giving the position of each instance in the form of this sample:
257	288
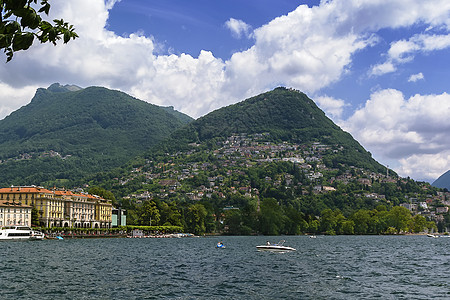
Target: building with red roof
61	208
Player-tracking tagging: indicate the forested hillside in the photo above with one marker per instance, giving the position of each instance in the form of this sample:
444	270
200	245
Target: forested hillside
286	115
272	164
67	132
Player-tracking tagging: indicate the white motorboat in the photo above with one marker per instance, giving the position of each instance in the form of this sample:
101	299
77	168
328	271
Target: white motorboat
20	233
275	247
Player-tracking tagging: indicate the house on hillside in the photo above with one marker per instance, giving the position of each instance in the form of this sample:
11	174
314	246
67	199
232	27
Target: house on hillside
171	184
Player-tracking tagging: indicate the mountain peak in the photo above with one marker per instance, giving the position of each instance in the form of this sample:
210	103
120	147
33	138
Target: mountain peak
286	115
58	88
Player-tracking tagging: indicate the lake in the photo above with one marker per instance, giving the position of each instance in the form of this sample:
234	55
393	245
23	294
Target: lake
328	267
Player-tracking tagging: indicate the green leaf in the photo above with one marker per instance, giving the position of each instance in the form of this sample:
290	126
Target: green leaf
15	4
45	8
30	19
12	27
22	41
52	35
66	36
5	40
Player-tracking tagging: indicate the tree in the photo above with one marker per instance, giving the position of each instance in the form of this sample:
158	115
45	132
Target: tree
195	219
348	227
419	223
233	221
149	213
271	217
361	219
34	216
170	216
102	193
328	222
399	217
20	24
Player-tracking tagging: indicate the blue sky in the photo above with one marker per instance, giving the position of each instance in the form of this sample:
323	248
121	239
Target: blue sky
191	26
379	69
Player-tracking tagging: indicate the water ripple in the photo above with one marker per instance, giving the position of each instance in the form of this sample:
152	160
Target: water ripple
341	267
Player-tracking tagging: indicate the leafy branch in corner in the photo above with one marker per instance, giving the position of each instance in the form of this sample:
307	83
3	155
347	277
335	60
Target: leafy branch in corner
21	24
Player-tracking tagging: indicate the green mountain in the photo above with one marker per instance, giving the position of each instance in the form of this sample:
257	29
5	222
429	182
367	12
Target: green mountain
283	115
272	164
443	181
67	132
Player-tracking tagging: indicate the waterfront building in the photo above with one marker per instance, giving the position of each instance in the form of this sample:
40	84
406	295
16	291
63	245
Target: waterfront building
119	217
62	208
14	213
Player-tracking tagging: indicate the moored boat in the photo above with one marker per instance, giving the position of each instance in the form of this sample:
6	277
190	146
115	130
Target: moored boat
20	233
275	247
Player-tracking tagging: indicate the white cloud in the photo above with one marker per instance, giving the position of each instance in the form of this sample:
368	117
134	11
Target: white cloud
381	69
331	106
408	130
416	77
12	98
427	167
308	49
404	51
238	28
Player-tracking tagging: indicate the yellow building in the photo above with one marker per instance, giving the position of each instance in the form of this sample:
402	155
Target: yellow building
61	208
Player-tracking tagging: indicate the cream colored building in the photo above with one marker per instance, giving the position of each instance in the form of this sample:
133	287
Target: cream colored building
61	208
14	213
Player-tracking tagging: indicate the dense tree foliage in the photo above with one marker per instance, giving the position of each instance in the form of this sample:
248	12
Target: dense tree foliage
285	114
273	164
66	133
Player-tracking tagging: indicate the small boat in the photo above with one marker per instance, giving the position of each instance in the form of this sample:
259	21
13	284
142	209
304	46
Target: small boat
312	237
275	247
220	245
23	233
432	235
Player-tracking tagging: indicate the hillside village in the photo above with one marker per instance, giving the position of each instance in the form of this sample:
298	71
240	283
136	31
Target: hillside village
222	171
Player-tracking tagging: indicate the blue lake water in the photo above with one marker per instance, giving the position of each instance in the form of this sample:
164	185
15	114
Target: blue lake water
328	267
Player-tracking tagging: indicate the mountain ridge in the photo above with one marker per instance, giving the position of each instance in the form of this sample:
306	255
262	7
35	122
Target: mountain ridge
443	181
287	114
81	124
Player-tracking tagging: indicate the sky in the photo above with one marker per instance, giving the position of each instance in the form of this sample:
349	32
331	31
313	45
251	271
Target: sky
380	69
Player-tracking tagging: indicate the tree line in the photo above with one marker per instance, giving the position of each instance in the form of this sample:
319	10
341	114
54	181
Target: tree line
269	217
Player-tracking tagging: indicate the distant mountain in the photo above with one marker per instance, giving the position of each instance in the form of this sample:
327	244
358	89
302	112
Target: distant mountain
443	181
67	132
286	115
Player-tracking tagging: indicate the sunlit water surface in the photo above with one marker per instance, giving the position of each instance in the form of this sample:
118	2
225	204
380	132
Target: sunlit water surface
329	267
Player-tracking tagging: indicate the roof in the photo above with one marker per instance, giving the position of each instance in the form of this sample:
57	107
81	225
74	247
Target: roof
41	190
24	189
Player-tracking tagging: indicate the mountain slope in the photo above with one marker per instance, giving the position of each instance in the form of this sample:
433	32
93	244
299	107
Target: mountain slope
443	181
67	132
287	115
